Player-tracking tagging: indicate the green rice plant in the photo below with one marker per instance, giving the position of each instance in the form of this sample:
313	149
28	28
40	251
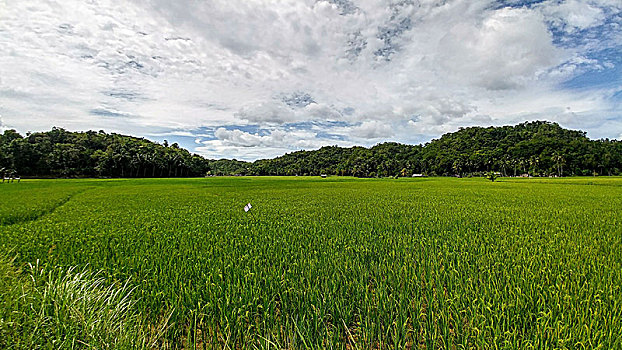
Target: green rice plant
343	262
30	200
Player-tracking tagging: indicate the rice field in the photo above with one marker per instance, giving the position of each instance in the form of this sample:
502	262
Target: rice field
437	263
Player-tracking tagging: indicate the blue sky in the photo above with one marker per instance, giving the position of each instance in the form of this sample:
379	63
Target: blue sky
258	78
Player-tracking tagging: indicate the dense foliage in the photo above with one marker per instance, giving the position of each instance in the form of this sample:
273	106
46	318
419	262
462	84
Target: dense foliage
336	263
61	153
533	148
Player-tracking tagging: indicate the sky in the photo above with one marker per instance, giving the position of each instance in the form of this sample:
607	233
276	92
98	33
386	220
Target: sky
251	79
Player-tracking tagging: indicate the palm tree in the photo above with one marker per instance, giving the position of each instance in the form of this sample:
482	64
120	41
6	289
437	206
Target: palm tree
522	164
457	167
505	162
534	161
559	160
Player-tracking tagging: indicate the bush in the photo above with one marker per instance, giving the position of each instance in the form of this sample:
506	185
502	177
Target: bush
492	176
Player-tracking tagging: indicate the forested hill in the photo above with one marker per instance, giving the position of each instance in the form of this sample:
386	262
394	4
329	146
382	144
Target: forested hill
61	153
536	148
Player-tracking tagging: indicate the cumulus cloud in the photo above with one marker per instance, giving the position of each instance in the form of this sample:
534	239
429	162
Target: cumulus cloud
305	73
372	129
575	15
271	112
274	138
245	145
502	51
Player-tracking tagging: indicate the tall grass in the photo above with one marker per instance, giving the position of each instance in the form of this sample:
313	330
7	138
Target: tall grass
68	309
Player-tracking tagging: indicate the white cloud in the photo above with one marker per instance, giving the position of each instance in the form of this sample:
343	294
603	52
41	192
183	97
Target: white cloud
504	50
249	146
371	129
377	70
270	112
573	15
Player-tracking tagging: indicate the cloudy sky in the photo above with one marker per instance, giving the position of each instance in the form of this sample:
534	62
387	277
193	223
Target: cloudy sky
252	79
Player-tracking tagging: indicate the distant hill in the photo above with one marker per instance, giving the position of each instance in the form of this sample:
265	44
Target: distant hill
61	153
537	148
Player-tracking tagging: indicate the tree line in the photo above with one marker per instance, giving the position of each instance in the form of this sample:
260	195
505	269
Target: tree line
533	148
536	148
61	153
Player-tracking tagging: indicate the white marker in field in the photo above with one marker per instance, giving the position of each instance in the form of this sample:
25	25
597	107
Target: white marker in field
247	207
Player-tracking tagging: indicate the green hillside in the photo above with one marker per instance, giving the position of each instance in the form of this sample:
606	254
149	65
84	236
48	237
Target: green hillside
534	148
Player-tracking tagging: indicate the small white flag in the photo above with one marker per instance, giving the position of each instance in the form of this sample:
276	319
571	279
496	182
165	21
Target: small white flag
247	207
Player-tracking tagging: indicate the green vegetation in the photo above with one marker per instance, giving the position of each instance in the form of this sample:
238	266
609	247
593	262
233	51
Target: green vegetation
67	309
492	176
337	262
60	153
535	148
